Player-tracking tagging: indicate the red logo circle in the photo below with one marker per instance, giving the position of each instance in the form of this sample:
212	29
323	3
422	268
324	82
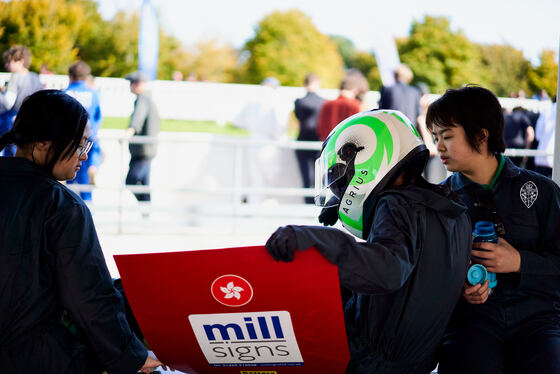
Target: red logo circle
231	290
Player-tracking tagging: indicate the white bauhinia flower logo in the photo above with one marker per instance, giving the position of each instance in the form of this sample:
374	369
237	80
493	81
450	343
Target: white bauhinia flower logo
231	291
529	193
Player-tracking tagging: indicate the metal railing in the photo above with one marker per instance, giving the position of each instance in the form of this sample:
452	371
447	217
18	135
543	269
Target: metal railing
221	199
181	206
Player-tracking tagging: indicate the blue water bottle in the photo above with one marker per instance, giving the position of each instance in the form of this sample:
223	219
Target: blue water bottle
484	231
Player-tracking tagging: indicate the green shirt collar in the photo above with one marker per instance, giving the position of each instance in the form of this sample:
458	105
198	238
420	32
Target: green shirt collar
501	162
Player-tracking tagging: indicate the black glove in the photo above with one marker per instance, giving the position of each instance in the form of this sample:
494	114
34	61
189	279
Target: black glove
282	244
329	215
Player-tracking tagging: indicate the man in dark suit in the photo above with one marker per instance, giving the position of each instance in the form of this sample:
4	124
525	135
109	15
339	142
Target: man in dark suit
307	111
401	96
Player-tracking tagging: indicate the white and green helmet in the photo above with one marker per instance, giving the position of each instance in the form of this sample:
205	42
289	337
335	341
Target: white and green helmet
360	156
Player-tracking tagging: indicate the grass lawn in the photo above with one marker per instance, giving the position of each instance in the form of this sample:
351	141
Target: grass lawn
171	125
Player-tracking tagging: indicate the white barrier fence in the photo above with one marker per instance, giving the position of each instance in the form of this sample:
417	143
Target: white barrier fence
206	101
199	182
202	178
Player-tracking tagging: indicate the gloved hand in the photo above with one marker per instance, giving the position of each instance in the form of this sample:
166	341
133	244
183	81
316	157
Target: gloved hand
282	244
329	215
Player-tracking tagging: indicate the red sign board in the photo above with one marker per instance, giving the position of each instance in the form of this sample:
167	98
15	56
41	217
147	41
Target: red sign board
236	310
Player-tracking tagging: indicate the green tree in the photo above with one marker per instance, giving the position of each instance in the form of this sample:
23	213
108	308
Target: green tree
288	46
172	57
92	37
49	28
545	76
346	49
112	51
214	61
506	69
356	59
365	62
440	57
60	31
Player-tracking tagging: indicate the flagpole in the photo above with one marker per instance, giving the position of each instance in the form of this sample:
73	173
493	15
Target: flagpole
148	40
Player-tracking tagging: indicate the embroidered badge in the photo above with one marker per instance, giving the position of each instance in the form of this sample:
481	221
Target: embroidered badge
529	193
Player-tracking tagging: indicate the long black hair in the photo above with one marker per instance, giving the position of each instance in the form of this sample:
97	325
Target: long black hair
49	115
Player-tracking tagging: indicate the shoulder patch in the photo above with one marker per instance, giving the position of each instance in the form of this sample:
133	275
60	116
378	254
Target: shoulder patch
529	193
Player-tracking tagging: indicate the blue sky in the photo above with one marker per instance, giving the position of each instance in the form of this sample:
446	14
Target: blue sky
527	25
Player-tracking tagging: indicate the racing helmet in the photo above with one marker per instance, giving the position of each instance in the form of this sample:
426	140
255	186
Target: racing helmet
361	156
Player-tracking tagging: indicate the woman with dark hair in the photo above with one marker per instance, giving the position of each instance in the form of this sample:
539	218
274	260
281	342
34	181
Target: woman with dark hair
407	276
516	327
50	259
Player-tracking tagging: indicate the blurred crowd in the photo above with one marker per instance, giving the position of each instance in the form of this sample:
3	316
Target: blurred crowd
267	118
144	120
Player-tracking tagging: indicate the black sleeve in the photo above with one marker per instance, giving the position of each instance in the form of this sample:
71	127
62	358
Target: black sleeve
381	265
298	110
418	108
383	98
525	121
541	270
86	291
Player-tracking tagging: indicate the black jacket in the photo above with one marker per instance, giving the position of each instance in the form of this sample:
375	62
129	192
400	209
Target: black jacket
307	111
50	261
528	205
402	97
406	278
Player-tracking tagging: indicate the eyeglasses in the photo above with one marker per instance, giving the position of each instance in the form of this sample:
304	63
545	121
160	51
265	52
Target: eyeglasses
84	148
485	210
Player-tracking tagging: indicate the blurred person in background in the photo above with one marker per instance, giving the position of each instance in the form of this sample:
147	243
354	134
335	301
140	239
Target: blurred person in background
177	76
44	69
307	111
79	72
518	133
353	87
21	84
545	134
542	95
266	119
144	121
60	311
434	172
402	96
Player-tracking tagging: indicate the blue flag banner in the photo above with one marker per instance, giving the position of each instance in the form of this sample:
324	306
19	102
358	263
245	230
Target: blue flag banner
148	40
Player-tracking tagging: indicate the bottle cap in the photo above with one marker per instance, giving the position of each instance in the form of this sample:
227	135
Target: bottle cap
477	274
484	228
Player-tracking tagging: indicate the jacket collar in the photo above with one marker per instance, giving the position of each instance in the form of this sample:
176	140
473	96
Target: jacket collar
458	181
21	165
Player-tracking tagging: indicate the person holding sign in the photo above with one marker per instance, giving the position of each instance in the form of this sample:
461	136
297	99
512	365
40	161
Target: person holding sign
408	275
60	312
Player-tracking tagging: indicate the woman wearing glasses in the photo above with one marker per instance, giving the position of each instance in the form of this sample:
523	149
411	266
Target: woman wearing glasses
516	328
50	259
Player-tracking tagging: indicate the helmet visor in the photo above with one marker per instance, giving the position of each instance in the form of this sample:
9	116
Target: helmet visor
331	179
